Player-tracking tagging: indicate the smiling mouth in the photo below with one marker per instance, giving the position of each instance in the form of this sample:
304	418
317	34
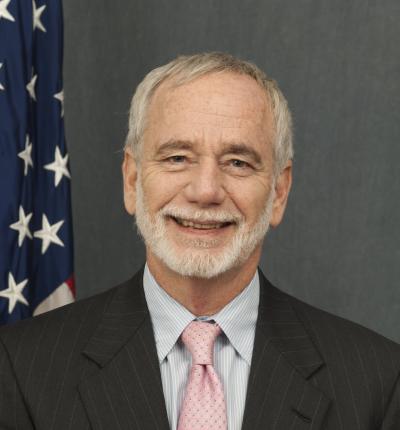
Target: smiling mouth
209	225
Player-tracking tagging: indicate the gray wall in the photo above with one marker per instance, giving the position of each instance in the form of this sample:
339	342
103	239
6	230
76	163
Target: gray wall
338	63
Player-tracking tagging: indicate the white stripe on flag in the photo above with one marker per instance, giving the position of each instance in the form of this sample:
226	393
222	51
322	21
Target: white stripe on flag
59	297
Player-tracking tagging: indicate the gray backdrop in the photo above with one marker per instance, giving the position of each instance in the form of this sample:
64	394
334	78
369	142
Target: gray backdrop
338	63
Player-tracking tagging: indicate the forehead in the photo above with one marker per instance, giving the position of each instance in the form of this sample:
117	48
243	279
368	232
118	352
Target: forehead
225	101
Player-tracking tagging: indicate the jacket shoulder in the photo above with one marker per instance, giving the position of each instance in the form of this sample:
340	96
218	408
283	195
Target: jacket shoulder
326	328
73	322
357	360
352	353
329	332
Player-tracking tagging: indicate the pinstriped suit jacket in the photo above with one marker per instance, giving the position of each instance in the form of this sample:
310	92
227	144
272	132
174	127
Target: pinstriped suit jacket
93	365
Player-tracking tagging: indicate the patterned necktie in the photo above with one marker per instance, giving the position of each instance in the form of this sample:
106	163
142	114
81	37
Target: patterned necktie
204	403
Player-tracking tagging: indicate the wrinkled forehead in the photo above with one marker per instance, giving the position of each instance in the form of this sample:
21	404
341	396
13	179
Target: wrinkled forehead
217	97
228	83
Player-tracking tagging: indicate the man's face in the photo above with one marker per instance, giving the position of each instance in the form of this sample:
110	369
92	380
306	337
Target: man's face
204	193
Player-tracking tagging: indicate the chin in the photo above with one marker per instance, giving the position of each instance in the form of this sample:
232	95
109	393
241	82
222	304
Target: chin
201	261
197	266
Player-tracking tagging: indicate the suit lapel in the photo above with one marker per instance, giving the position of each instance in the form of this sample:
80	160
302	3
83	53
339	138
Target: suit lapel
125	390
280	395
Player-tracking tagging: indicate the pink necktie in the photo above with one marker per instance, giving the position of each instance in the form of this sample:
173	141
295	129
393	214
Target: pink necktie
204	404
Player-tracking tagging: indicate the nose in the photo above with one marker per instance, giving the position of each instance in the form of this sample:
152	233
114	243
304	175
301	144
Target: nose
205	187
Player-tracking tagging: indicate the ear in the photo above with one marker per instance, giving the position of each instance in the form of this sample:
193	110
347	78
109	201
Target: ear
282	188
129	173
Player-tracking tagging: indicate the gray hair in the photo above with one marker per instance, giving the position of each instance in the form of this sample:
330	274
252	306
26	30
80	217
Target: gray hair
187	68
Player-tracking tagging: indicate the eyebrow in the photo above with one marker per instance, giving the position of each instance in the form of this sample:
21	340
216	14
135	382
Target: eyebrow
173	145
227	148
242	149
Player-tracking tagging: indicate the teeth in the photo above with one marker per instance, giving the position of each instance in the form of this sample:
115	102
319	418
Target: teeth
186	223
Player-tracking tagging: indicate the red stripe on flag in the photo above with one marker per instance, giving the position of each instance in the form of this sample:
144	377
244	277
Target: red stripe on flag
71	285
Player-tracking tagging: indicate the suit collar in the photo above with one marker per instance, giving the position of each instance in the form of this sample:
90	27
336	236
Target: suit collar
277	321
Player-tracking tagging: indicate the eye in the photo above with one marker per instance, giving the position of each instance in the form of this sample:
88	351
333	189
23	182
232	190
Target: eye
176	159
239	163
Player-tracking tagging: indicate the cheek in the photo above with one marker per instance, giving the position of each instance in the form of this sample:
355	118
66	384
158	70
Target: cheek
159	190
254	208
250	199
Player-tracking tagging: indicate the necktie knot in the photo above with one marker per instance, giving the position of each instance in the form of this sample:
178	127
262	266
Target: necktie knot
199	337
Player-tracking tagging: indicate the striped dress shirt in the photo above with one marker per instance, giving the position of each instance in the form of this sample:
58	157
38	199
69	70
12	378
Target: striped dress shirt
232	351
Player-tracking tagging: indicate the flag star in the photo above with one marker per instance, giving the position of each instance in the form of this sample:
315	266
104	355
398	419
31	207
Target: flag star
37	12
14	293
31	87
4	13
22	226
48	233
1	86
59	166
26	155
60	96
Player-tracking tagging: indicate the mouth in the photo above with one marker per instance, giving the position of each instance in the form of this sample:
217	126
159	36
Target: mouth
204	225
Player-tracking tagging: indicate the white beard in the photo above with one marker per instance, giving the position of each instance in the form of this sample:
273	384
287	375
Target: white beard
199	259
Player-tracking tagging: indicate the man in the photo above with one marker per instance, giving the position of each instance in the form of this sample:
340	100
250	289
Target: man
199	338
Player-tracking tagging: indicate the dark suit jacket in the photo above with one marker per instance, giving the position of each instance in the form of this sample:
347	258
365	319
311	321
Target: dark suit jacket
93	364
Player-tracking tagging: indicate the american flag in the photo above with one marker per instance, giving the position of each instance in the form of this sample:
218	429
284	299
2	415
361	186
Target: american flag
36	253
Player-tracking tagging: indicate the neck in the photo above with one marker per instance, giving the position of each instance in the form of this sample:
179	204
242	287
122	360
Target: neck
204	297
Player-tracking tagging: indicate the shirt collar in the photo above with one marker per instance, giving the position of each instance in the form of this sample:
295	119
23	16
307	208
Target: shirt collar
169	318
239	317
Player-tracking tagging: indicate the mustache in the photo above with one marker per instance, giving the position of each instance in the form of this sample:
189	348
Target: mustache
205	215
